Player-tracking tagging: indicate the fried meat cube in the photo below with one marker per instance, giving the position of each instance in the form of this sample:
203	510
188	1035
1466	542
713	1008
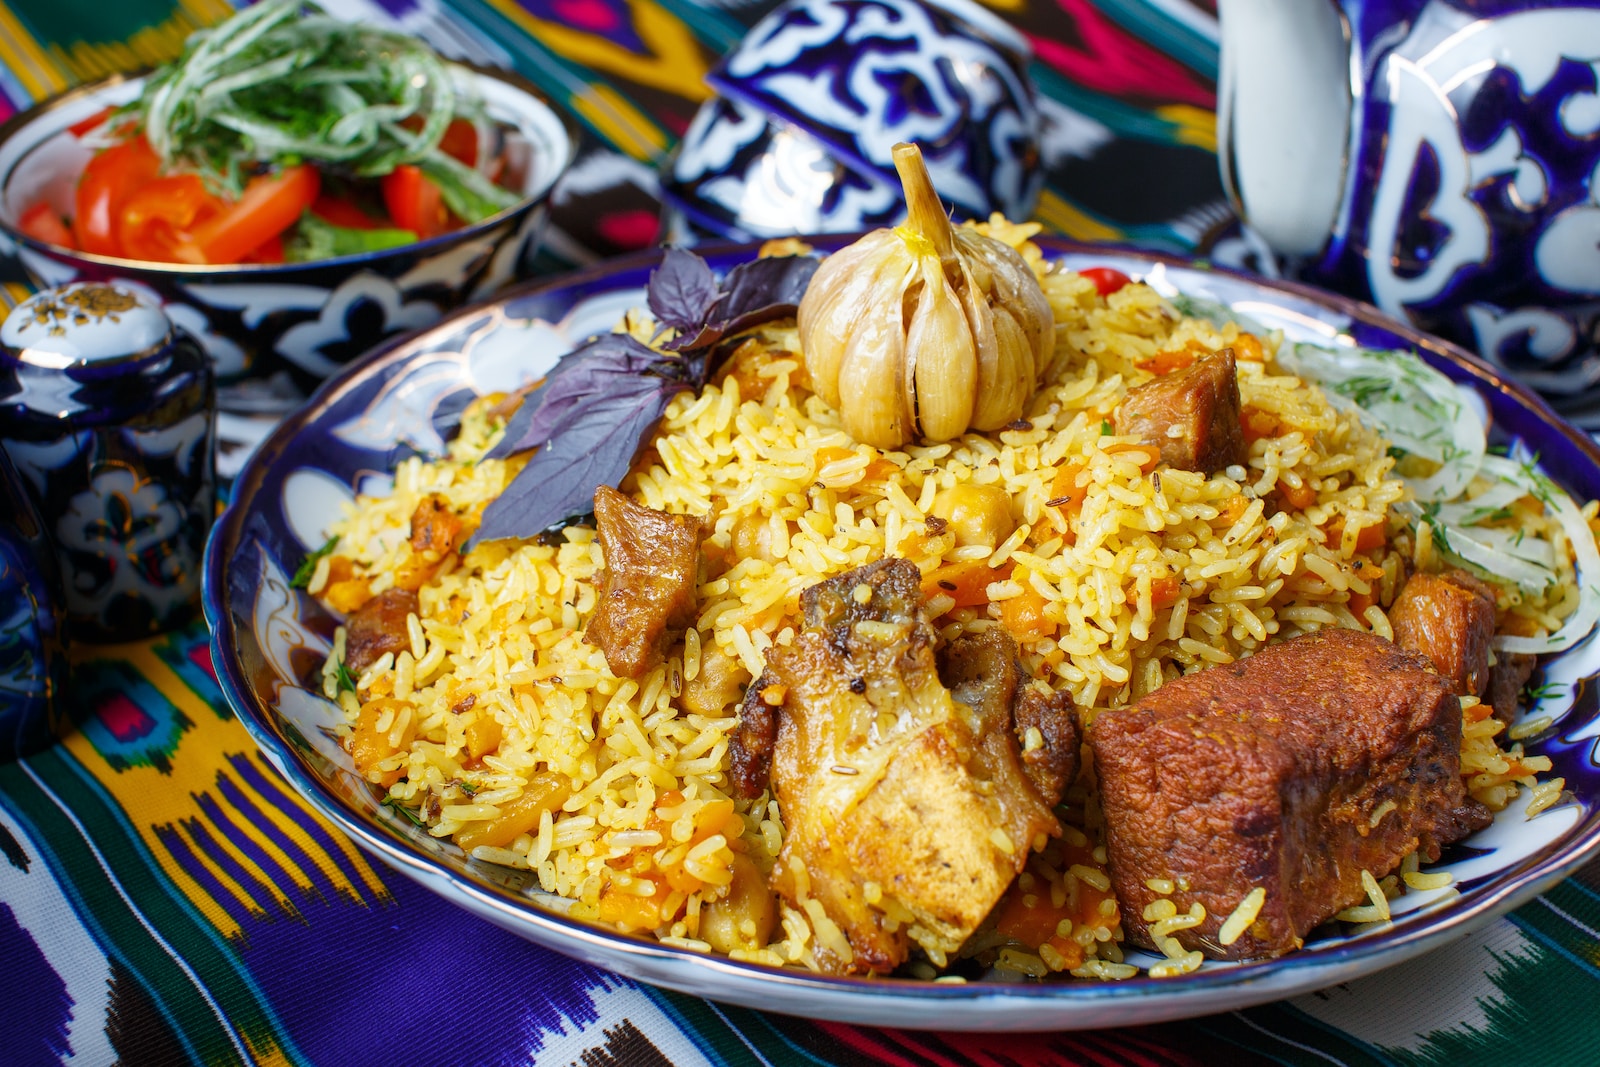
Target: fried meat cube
378	626
647	594
1449	619
982	672
903	824
1507	678
1191	415
1293	770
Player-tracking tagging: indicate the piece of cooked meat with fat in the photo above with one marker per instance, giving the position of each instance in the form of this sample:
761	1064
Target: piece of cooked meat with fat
1293	770
1449	619
376	627
903	822
981	671
647	593
1190	415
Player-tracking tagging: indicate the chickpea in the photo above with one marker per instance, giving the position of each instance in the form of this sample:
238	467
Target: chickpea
723	923
977	514
721	681
752	538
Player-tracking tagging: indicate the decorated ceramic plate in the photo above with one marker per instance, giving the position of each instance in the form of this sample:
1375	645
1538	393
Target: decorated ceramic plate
271	640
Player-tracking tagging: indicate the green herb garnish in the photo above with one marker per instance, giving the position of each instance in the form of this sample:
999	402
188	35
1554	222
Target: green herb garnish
314	238
282	82
342	678
413	816
1532	694
1106	429
308	566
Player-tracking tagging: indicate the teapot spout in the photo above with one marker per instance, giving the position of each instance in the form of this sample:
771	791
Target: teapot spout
1283	117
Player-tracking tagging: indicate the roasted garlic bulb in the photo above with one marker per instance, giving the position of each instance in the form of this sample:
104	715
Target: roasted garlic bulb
924	331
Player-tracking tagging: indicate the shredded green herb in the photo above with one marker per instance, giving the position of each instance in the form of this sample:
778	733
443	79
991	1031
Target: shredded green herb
1532	694
342	678
308	566
282	82
413	816
314	238
1106	429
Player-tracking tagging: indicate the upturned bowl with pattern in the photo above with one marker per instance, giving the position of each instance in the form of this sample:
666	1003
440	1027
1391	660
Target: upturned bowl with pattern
813	100
273	331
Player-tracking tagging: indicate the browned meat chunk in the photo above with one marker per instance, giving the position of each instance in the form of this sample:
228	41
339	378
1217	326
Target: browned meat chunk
982	672
903	823
1507	678
1191	415
1292	771
1449	618
647	594
750	748
378	626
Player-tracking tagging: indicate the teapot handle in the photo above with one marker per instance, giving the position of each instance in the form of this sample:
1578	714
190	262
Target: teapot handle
1284	109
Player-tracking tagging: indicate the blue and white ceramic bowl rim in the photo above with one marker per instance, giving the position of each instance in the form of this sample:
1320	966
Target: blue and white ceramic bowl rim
899	1002
558	134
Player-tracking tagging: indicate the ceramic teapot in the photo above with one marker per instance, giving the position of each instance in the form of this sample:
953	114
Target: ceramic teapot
1440	158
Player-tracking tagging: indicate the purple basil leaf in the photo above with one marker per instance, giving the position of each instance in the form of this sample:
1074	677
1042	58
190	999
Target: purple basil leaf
595	443
769	288
681	290
589	368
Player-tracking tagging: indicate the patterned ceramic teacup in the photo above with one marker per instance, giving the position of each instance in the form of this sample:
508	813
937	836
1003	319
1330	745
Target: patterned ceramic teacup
1440	158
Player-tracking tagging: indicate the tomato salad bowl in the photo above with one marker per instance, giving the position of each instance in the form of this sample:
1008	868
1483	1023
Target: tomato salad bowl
273	330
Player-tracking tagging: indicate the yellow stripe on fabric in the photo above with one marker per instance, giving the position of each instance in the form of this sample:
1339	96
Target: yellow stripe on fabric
618	121
14	293
24	58
1191	125
1065	219
155	801
149	47
675	63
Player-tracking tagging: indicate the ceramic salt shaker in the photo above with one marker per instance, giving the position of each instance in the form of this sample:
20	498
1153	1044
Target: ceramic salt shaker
108	412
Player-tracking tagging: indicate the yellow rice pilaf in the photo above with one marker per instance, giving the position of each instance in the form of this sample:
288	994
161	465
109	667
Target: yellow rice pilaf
1156	573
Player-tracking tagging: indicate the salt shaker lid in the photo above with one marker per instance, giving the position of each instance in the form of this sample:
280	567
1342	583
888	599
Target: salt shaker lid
84	325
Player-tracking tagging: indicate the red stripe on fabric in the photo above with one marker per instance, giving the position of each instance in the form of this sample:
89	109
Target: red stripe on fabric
1115	62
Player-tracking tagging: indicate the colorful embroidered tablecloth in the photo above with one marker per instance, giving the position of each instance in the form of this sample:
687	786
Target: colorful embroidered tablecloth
165	898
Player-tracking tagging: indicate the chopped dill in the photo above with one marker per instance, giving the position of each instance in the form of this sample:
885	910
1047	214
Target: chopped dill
342	677
1106	429
412	816
308	566
1532	694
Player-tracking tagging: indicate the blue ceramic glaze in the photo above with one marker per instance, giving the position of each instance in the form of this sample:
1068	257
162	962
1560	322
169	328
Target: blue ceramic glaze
107	411
33	661
269	640
816	96
1471	194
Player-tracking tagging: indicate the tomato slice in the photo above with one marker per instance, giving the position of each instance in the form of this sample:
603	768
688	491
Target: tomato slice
43	224
1107	280
270	251
83	126
415	202
269	206
156	220
461	141
111	177
344	213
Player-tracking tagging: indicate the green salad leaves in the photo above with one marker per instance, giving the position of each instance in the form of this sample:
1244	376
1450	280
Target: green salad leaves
282	83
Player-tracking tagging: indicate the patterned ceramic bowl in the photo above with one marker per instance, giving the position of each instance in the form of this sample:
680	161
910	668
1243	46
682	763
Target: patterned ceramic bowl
819	92
288	324
269	640
740	174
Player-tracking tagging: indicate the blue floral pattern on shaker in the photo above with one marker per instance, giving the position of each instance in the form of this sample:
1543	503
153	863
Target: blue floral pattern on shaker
127	539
